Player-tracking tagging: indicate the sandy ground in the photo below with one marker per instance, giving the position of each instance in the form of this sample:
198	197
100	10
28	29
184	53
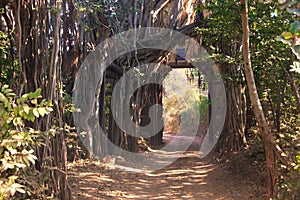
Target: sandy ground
189	177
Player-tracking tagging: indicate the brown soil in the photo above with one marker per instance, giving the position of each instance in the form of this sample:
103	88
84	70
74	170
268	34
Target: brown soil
188	178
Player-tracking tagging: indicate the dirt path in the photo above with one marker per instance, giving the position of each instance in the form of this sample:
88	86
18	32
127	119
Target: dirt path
188	178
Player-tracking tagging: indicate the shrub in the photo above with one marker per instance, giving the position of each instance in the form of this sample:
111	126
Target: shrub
18	142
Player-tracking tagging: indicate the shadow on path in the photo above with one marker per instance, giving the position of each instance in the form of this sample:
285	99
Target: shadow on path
188	178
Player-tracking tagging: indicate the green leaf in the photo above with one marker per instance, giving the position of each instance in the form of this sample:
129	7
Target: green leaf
3	98
42	111
36	94
49	109
287	35
34	101
297	159
25	160
8	120
35	112
31	116
82	9
2	111
25	97
295	28
26	108
18	121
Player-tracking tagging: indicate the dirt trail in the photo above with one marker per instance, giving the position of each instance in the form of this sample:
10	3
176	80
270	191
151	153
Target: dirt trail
188	178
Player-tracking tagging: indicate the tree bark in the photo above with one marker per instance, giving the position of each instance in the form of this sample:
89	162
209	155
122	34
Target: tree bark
271	160
295	89
39	69
233	136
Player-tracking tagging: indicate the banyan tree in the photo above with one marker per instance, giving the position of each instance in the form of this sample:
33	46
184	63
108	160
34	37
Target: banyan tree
178	15
54	38
175	15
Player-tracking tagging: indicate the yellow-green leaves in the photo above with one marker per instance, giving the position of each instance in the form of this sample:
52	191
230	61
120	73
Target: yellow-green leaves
292	38
17	142
10	187
287	35
32	96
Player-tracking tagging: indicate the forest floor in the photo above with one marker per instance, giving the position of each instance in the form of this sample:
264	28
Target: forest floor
189	177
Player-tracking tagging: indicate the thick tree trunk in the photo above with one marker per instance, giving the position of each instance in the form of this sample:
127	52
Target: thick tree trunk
117	136
154	93
233	136
41	69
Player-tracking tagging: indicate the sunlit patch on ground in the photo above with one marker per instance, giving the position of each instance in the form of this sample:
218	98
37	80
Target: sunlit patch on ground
188	178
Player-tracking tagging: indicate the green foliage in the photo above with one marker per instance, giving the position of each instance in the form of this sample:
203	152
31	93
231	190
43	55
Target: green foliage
197	108
174	109
202	105
6	65
91	5
270	60
290	178
292	37
18	142
223	26
290	186
297	162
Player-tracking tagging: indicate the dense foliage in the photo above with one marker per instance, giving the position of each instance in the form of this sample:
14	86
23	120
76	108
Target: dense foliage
274	66
18	178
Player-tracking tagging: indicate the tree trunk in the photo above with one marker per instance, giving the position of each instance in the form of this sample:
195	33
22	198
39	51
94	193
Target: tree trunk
40	67
271	160
233	136
295	89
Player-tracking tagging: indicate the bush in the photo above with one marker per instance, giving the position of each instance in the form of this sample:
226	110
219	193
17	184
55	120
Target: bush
174	111
18	142
289	139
